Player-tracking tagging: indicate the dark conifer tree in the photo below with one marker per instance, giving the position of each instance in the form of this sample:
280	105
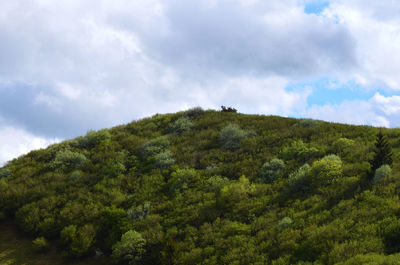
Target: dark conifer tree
383	153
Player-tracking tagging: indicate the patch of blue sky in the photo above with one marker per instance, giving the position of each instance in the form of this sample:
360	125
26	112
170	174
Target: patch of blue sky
331	91
315	7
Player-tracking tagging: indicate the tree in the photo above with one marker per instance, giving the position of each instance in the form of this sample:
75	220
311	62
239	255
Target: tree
383	153
271	170
130	249
231	136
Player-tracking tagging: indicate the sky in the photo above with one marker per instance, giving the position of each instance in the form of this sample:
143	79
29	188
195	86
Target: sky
70	66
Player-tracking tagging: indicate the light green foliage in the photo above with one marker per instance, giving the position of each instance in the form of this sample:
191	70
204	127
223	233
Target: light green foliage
285	222
139	213
68	160
297	150
343	145
93	138
181	125
193	113
75	175
40	244
164	159
78	240
231	136
271	170
216	183
235	192
326	170
381	173
130	250
4	172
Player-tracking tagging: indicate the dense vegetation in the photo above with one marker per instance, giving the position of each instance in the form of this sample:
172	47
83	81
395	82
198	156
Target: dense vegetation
208	187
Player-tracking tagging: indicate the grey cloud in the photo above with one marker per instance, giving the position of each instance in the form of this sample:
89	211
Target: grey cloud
231	39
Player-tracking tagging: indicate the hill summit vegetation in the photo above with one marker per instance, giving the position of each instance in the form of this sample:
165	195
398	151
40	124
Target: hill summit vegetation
209	187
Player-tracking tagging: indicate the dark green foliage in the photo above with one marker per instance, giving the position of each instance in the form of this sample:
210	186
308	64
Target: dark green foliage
383	152
130	250
271	170
228	109
208	203
78	240
193	113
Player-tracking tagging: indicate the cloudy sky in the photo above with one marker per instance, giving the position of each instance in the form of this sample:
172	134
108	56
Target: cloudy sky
70	66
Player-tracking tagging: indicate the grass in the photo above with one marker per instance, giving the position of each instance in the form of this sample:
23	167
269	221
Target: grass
16	249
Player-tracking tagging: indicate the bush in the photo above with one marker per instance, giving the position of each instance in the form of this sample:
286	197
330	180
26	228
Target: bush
297	150
381	173
271	170
78	241
216	183
40	244
181	125
342	145
326	170
4	172
182	179
93	138
130	250
298	181
156	146
68	160
139	213
285	222
164	160
231	136
193	113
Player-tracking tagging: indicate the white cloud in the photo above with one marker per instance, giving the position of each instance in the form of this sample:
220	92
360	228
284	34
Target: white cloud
15	142
375	26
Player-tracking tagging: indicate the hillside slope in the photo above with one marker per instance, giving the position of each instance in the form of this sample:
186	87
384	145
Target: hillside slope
208	187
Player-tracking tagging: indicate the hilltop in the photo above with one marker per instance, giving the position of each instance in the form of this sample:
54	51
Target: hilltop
210	187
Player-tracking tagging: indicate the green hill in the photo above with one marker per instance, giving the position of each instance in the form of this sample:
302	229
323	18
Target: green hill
208	187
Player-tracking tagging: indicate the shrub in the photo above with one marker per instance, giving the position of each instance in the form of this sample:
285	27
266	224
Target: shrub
231	136
182	179
78	241
130	250
216	183
139	213
298	181
326	170
382	172
164	159
156	146
75	175
181	125
342	145
271	170
285	222
299	151
193	113
68	160
40	244
93	138
4	172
